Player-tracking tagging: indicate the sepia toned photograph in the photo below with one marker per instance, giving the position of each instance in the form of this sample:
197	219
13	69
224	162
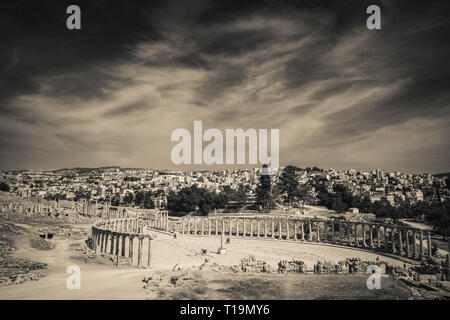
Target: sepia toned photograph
224	150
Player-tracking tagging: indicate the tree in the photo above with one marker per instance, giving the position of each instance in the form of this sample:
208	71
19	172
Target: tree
115	201
4	187
289	185
338	205
128	199
148	201
139	199
264	191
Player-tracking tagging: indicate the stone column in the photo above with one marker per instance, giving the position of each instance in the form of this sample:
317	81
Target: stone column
325	231
223	226
130	249
430	255
385	238
97	241
230	227
149	252
209	226
279	230
265	228
303	231
257	228
273	229
182	225
420	245
356	235
400	242
195	226
113	243
108	242
295	230
216	230
201	226
243	228
378	235
414	255
102	242
117	252
94	240
371	235
167	221
287	229
140	252
126	245
407	242
251	228
393	240
310	230
318	231
120	245
364	244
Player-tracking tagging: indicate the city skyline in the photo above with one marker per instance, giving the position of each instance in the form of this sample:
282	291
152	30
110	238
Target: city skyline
216	168
341	95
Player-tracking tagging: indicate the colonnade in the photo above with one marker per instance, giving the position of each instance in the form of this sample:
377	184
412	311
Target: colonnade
160	221
399	240
28	208
123	238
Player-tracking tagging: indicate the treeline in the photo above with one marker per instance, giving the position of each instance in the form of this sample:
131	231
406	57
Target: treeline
143	199
198	199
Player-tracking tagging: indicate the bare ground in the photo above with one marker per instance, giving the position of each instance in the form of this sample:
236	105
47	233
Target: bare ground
101	280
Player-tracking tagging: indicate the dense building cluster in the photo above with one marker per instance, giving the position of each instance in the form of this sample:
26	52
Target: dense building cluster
150	188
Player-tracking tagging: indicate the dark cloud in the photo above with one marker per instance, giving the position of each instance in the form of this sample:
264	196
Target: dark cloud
139	69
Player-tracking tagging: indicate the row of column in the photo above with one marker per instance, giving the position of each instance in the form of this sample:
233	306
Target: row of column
28	208
129	225
135	246
398	240
160	221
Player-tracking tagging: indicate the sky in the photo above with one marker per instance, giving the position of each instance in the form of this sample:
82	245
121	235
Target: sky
112	93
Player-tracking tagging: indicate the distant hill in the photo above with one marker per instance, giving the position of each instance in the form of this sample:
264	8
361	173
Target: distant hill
84	170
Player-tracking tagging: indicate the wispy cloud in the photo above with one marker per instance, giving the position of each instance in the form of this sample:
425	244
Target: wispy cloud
341	97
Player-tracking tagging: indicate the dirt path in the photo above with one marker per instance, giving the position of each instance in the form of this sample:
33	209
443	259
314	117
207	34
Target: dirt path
97	281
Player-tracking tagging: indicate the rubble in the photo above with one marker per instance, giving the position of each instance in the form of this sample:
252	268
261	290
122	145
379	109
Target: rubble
291	266
329	267
250	264
15	270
